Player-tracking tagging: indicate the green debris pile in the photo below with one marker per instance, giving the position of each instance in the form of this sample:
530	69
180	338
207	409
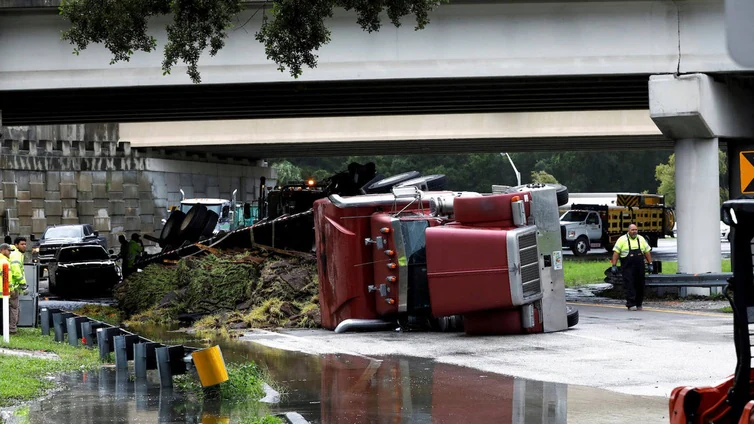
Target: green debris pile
228	291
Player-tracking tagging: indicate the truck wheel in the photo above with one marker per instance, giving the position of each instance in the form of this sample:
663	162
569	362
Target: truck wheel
580	246
561	191
572	316
434	182
210	223
384	185
193	223
172	228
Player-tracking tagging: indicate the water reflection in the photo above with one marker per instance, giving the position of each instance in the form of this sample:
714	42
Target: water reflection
346	389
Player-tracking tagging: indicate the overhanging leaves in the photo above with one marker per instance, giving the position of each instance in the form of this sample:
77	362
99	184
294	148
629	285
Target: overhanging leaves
291	32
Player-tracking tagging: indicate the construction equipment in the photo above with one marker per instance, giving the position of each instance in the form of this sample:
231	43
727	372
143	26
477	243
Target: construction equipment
731	401
588	226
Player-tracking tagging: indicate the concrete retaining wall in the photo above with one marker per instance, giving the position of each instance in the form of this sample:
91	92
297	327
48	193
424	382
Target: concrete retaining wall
105	183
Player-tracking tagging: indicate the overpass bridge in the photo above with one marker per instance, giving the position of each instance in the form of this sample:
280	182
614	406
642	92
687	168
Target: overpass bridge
483	76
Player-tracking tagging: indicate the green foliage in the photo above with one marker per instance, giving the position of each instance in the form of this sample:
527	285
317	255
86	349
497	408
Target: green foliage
291	33
580	171
665	175
245	384
543	177
104	313
269	419
142	290
211	284
287	172
23	378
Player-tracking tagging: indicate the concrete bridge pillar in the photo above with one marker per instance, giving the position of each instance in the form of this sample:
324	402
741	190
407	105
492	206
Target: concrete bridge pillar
696	111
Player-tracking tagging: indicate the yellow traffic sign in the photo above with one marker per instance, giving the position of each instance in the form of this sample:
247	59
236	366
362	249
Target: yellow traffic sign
746	171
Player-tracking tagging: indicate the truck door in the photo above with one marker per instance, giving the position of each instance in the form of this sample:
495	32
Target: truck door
593	227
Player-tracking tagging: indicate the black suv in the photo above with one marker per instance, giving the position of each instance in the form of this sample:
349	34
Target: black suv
64	235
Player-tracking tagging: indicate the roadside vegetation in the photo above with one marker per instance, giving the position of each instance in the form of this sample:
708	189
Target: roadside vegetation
24	378
223	292
580	272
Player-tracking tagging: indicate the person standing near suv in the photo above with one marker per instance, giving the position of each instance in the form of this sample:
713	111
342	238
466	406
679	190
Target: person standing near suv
17	279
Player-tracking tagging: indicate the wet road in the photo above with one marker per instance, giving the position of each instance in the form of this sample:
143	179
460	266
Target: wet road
334	388
646	352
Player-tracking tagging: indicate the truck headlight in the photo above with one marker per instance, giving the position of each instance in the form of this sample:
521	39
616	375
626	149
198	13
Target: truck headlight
571	234
34	250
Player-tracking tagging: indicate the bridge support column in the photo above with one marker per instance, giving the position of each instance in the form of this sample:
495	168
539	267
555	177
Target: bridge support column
697	191
696	111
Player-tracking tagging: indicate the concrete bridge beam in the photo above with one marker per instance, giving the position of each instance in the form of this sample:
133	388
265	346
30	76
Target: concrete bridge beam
697	111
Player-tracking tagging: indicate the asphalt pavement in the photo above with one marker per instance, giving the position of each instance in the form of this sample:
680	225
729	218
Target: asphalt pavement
647	352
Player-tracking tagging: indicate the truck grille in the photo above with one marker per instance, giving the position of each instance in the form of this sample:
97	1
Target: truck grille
529	260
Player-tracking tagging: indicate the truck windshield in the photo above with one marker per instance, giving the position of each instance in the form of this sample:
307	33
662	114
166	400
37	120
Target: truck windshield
82	254
62	232
574	216
217	208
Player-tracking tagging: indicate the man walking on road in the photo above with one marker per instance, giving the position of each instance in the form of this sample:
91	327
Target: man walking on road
632	250
17	279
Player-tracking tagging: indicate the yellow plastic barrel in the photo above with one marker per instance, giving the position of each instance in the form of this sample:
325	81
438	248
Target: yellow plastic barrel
210	366
215	419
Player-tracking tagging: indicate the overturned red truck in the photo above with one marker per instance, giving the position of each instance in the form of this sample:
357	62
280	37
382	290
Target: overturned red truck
491	262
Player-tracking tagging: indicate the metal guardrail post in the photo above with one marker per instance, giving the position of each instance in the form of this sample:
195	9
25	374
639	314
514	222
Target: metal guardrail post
45	318
124	350
105	340
89	332
145	358
59	325
73	327
169	363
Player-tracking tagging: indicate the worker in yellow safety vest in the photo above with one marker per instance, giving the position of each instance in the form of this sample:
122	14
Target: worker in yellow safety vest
5	267
17	279
632	249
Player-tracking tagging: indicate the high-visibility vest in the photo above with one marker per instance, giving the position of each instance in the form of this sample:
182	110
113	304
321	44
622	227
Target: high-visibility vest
17	275
134	250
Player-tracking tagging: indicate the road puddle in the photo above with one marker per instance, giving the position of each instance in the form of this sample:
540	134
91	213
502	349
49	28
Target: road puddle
347	389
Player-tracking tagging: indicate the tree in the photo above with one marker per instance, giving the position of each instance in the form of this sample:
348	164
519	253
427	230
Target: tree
665	174
543	177
291	32
287	172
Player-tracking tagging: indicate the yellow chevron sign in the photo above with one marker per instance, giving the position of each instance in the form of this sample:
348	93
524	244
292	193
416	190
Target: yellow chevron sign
746	171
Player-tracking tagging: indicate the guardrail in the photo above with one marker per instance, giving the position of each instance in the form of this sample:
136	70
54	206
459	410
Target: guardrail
146	354
688	280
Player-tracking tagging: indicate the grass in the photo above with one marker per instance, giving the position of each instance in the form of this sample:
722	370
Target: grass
581	272
24	378
104	313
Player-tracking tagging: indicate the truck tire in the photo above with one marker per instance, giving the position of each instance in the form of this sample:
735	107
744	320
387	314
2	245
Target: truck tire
434	182
572	316
561	191
193	223
384	185
210	223
171	229
580	246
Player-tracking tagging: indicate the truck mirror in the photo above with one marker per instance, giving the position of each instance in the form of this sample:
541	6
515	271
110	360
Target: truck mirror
32	237
96	234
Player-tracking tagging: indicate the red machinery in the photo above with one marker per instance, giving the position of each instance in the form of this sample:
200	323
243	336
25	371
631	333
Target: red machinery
731	401
411	255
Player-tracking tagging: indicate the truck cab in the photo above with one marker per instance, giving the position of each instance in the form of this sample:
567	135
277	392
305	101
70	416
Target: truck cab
579	229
